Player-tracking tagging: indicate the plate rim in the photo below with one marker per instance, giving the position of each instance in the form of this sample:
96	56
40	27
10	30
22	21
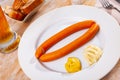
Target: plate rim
47	14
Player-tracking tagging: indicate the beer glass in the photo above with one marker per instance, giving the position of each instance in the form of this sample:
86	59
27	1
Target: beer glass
9	39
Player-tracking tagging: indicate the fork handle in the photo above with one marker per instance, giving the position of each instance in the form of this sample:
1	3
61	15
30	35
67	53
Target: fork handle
117	9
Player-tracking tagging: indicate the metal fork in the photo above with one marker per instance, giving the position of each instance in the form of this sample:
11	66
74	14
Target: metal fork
107	5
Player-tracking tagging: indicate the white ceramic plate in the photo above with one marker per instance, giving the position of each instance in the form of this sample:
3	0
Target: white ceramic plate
45	26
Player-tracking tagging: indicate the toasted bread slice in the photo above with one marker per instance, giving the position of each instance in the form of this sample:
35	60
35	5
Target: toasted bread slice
15	14
30	5
18	3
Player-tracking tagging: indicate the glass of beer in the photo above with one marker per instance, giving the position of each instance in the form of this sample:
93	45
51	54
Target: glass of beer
9	39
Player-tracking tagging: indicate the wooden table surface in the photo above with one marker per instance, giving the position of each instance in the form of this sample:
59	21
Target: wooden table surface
9	64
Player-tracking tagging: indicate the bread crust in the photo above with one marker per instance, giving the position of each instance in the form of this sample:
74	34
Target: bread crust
18	3
30	5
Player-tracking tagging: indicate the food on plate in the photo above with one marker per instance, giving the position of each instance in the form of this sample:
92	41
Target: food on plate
21	8
73	64
92	54
87	36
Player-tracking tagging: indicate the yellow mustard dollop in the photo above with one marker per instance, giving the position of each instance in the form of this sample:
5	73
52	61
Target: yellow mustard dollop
73	64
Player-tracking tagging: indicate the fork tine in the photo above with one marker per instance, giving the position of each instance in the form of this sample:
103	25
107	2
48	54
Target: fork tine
107	3
103	3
